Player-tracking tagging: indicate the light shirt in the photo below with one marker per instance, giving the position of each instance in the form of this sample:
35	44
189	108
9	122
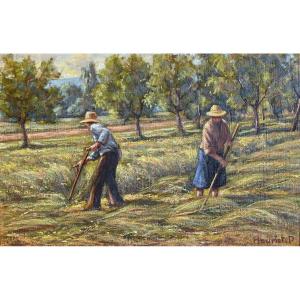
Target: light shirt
105	137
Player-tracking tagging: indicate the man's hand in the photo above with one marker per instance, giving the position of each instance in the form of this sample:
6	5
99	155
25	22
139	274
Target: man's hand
220	159
78	165
223	162
81	162
229	143
95	146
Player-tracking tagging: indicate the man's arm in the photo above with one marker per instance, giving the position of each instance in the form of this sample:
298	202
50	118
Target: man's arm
217	157
102	140
95	146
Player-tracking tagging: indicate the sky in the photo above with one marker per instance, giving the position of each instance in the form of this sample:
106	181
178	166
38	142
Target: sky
69	65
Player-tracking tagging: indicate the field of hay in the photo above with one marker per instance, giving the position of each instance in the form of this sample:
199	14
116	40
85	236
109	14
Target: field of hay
259	206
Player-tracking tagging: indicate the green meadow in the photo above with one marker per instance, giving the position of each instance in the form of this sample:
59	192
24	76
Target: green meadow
260	205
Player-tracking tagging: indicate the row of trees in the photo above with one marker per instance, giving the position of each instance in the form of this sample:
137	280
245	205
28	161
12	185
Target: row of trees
253	81
189	84
123	87
181	84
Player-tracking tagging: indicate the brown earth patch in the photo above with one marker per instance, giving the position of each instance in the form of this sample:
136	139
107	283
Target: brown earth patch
83	131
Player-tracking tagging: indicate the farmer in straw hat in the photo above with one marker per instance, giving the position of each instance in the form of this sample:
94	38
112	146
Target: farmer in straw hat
215	136
105	147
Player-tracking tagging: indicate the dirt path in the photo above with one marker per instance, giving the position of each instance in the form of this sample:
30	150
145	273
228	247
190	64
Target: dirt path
83	131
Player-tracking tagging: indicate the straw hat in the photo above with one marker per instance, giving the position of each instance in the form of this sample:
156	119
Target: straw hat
216	111
90	117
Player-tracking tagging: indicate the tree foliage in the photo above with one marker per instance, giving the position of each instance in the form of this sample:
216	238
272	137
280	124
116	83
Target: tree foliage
295	85
123	87
70	105
90	80
25	93
171	83
248	80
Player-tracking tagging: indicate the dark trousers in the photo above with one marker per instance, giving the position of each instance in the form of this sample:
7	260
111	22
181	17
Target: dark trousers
105	173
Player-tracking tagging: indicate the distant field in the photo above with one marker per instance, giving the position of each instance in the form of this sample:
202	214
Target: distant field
260	203
74	123
83	131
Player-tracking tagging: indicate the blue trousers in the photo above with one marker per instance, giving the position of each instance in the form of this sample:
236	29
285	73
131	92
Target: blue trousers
206	169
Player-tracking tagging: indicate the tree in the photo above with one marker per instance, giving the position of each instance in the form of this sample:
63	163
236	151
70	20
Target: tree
123	87
108	93
135	76
79	99
295	84
24	92
171	83
209	90
200	88
68	106
250	77
205	73
49	98
90	80
281	93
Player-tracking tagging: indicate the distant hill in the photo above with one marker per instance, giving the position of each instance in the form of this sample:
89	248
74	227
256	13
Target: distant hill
64	81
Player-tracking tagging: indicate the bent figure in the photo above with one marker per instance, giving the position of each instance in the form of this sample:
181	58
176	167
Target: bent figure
210	154
107	149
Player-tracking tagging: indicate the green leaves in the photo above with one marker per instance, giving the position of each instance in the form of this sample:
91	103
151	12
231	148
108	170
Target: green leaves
24	89
24	86
108	93
171	80
123	86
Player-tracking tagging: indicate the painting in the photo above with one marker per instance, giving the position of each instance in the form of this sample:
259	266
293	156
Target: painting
149	149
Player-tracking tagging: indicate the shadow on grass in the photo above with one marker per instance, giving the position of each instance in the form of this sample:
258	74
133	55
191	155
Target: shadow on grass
31	147
249	131
244	200
45	146
145	202
166	135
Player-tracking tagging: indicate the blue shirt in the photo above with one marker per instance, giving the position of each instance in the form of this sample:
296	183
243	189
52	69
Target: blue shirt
105	137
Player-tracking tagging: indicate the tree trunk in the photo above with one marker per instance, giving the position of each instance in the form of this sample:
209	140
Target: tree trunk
296	118
125	120
179	123
256	119
263	114
198	118
274	109
231	115
294	109
138	127
198	121
25	143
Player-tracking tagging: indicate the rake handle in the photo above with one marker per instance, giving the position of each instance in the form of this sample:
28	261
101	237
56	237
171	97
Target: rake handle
79	170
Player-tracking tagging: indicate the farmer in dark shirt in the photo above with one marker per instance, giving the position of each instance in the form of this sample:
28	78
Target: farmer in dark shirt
107	149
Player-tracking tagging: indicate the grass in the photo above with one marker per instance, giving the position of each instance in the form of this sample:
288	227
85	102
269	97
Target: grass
260	204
